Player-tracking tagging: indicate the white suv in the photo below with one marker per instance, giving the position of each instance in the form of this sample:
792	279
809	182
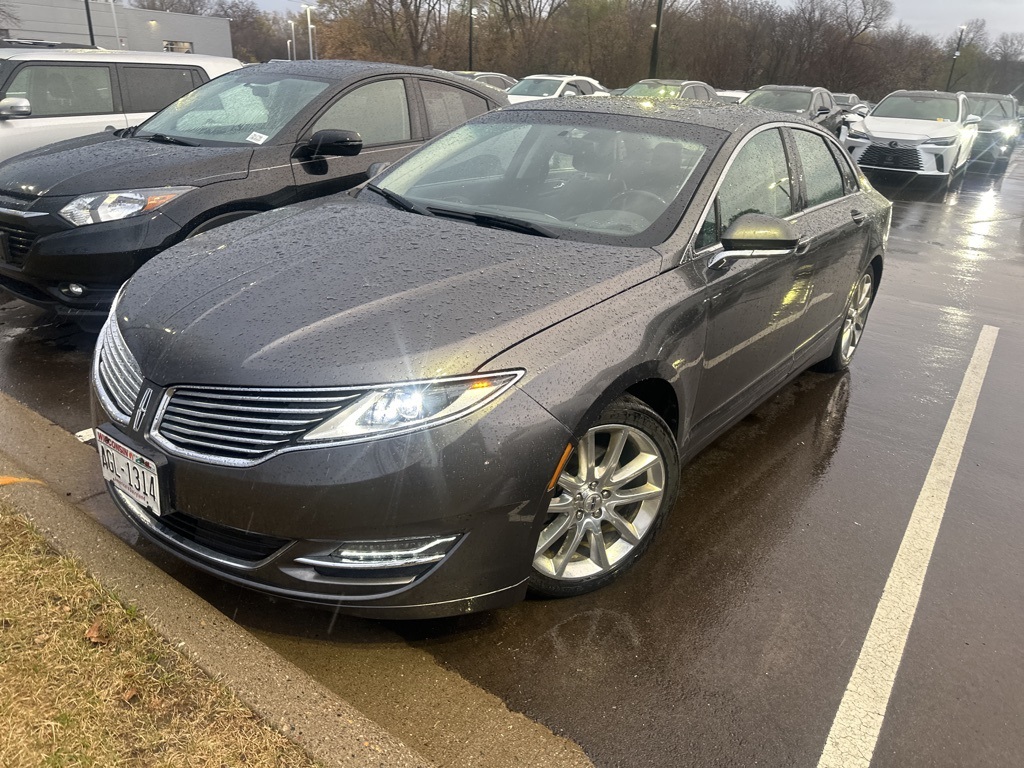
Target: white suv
929	133
553	86
49	95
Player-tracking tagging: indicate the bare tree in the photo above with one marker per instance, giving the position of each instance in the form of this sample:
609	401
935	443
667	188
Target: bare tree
6	14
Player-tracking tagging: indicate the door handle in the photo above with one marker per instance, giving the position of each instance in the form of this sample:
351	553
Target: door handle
858	217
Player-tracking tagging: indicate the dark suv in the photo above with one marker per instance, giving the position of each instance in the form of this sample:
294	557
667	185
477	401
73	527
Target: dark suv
79	217
999	129
814	104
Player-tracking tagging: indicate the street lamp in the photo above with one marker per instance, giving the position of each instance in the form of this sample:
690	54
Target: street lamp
472	15
309	28
291	53
312	37
292	50
653	73
956	55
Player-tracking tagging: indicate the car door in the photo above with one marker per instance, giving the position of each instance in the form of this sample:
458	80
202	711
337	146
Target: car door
754	305
148	88
68	100
832	222
381	111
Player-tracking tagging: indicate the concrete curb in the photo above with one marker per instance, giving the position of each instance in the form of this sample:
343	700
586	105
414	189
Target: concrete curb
330	729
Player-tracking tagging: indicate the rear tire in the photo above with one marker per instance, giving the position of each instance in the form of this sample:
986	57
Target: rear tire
855	317
611	499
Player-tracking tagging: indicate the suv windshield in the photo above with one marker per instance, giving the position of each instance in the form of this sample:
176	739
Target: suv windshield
653	90
535	86
579	182
780	101
991	108
939	108
236	108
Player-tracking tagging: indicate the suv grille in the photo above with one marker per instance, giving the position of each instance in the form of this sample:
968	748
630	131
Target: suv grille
19	243
242	425
900	158
119	375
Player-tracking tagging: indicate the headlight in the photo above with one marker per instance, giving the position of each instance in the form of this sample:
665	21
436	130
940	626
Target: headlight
942	142
1009	130
111	206
401	408
854	134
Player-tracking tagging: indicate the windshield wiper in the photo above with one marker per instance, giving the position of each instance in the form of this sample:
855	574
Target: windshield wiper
163	138
398	201
497	221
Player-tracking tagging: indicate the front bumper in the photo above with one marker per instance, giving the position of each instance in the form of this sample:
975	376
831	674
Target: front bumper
908	157
481	479
40	257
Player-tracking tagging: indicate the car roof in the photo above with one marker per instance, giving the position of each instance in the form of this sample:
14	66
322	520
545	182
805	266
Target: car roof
725	117
968	94
801	88
341	69
928	94
128	57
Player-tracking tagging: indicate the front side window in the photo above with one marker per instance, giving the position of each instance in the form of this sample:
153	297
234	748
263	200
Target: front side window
822	178
758	181
238	108
378	111
56	91
448	106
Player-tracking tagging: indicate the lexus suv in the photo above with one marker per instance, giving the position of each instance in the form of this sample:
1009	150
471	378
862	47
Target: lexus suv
929	133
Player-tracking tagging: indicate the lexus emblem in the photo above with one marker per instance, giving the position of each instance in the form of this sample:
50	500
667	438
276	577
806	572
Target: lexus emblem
893	144
141	408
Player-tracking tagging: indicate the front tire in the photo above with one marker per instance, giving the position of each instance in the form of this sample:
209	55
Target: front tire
862	295
612	497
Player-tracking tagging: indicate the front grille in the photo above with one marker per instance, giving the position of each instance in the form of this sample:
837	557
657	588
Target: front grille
19	243
900	158
119	375
242	425
233	542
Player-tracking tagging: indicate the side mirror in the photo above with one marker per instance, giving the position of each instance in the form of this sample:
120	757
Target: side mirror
334	143
861	109
375	169
972	120
755	236
567	94
14	107
822	111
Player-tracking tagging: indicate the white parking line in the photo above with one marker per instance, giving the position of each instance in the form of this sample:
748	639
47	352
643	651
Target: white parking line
851	742
85	435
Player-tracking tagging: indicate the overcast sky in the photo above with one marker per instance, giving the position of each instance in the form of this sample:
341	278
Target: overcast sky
933	17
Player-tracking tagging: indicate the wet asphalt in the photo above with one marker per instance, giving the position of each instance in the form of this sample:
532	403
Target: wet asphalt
732	641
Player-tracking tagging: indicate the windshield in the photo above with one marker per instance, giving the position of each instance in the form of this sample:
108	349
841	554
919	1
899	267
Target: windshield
236	108
780	101
991	108
846	99
575	182
539	86
918	108
653	91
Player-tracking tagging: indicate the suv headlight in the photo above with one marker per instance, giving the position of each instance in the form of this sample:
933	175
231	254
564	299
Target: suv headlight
1009	130
947	142
112	206
400	408
853	133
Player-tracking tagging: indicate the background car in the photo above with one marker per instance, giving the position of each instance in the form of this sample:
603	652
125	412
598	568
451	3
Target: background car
927	133
847	101
814	104
49	95
554	86
483	374
672	89
999	129
252	140
493	79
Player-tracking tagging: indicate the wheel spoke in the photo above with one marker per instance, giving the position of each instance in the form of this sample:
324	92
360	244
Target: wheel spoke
625	528
598	551
568	549
633	470
569	483
587	452
631	495
552	531
614	453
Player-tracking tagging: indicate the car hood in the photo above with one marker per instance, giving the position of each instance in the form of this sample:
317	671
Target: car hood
343	293
909	130
104	162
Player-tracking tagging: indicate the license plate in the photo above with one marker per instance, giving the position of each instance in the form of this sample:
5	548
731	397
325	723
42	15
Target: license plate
130	472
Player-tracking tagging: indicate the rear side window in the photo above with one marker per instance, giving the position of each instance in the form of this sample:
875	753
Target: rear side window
56	90
448	106
821	175
149	89
378	111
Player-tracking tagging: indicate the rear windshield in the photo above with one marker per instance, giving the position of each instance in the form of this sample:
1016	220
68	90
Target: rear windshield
938	108
780	101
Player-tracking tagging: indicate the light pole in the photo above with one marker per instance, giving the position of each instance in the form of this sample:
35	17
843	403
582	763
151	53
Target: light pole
309	28
117	33
956	55
653	73
312	36
291	54
292	51
88	20
472	15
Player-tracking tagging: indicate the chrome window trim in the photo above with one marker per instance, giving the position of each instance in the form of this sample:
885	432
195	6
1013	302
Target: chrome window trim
22	214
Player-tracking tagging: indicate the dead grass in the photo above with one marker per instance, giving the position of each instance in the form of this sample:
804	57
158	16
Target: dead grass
85	681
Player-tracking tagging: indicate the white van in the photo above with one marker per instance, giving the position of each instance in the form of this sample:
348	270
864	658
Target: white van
49	95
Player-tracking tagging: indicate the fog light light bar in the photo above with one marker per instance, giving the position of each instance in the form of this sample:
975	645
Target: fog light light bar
75	290
385	553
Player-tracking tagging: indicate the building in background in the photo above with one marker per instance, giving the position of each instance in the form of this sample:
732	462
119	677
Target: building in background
118	26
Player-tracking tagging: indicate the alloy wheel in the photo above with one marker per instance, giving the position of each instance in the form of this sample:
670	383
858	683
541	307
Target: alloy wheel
856	315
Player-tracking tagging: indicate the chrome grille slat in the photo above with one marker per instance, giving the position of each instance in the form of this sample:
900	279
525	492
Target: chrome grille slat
239	427
116	387
119	375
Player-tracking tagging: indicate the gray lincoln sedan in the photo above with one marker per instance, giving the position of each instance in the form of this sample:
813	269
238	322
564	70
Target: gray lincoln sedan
481	375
